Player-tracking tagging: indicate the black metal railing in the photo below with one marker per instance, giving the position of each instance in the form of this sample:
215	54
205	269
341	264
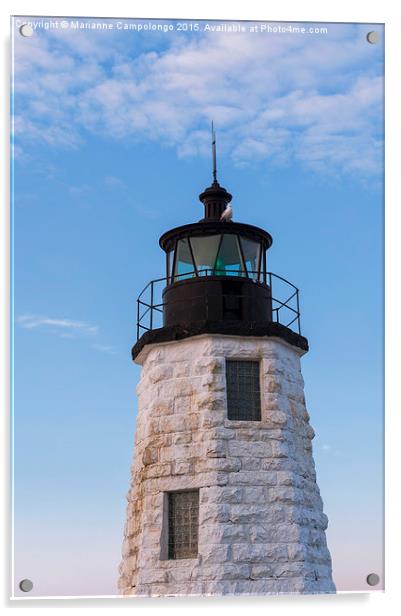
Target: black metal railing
284	311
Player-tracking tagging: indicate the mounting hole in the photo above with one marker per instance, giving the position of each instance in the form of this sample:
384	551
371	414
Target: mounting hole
26	30
26	585
372	37
373	579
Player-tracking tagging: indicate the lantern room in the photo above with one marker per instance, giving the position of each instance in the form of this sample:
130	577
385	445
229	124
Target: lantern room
216	271
216	249
216	281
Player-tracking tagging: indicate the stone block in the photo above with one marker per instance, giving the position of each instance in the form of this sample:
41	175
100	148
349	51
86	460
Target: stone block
271	552
280	449
176	387
266	570
182	438
180	452
184	573
181	369
214	513
126	547
273	385
251	464
214	553
249	449
254	495
221	494
211	419
191	422
152	427
261	531
256	478
220	587
288	478
271	367
277	402
309	432
210	402
277	418
232	465
172	423
182	468
157	356
157	470
182	405
133	526
285	494
272	432
150	456
209	365
150	537
153	576
246	513
305	415
160	373
216	449
206	381
297	552
225	571
250	434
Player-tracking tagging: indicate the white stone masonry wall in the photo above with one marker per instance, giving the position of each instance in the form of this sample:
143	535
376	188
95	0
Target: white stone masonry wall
261	520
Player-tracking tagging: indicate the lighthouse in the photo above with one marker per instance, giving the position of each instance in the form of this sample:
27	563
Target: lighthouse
223	497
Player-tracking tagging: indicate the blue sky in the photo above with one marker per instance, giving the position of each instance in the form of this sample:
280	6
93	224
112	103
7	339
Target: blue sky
112	148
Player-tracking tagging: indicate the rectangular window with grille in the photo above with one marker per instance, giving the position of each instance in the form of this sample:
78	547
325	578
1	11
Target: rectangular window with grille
243	390
183	515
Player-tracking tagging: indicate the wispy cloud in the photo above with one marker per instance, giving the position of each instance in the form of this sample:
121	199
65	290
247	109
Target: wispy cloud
147	212
103	348
64	327
314	101
79	191
112	182
330	450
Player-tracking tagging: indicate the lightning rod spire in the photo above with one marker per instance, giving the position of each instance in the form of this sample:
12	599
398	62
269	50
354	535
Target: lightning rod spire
214	154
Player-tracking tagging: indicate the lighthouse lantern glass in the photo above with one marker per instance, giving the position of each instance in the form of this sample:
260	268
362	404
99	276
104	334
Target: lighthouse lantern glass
184	267
205	249
225	254
170	262
251	252
229	261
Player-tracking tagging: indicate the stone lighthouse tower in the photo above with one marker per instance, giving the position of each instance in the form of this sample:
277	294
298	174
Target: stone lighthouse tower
223	497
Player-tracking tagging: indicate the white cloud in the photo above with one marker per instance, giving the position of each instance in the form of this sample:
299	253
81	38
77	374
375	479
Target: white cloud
334	451
113	182
61	326
315	101
103	348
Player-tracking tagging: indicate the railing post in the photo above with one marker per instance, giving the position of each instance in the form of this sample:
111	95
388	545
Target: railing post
299	314
137	319
264	265
271	290
151	305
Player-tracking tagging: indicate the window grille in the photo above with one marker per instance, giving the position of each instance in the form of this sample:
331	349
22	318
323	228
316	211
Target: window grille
183	515
243	390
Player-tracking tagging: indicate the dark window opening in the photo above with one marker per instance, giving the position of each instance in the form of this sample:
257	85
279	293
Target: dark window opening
243	390
183	515
232	301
